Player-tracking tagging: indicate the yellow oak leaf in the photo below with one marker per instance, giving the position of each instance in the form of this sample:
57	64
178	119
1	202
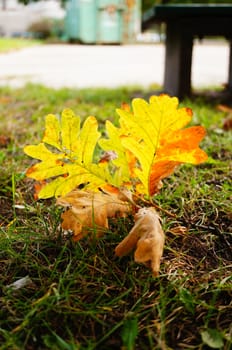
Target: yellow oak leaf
52	131
123	161
88	209
146	238
66	156
153	133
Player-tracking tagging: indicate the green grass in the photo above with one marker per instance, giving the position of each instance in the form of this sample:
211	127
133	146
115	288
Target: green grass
9	44
80	296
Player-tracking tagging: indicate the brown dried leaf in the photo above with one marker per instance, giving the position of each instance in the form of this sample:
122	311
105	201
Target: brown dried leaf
4	141
147	237
227	124
224	108
80	225
179	230
5	100
90	210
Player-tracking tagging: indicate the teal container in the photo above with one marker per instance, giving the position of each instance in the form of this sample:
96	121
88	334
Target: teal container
110	26
71	24
103	21
87	21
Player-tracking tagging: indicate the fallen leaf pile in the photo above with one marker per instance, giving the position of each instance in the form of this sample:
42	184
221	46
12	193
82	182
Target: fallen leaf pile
149	143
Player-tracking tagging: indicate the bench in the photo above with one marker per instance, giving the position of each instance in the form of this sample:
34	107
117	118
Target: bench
183	23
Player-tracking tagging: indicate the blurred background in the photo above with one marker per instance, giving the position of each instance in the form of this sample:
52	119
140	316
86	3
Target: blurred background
106	35
83	21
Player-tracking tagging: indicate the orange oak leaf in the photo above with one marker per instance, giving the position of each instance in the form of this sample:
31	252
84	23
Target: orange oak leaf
182	147
153	133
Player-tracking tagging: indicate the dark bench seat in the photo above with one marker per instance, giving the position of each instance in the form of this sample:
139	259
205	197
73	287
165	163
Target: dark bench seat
183	23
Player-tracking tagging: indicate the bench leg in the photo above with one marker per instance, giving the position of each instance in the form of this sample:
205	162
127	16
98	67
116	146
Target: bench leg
178	60
230	68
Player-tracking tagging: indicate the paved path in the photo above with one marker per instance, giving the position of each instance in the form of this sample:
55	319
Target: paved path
110	66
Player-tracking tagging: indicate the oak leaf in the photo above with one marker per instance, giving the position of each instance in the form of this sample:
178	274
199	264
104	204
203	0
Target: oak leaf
67	156
90	210
153	133
124	162
146	237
